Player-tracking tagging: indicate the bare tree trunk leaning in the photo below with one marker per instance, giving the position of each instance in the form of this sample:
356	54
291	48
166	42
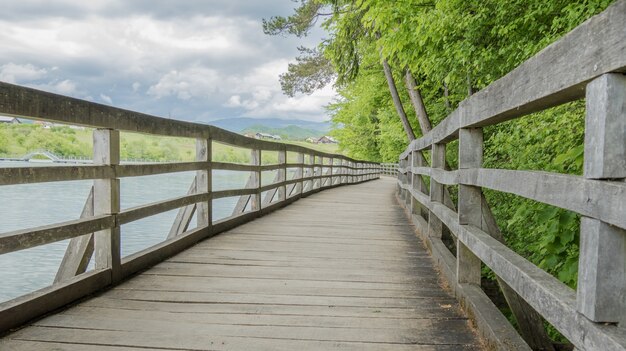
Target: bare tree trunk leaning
397	102
417	102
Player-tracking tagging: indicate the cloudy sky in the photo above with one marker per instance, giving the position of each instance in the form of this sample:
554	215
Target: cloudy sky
197	60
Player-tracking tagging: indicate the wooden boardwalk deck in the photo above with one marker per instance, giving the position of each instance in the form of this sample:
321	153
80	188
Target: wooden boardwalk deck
340	269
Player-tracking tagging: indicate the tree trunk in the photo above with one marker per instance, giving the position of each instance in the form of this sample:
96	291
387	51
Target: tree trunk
397	102
446	95
417	101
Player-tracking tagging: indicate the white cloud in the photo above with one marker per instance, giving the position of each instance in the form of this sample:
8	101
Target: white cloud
14	73
196	64
187	84
106	99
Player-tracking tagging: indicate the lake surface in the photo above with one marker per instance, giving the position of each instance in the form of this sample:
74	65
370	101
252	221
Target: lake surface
32	205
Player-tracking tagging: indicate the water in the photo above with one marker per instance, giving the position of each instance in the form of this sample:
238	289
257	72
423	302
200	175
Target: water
32	205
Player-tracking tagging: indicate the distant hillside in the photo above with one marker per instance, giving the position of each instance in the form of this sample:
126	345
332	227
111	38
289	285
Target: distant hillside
290	132
238	125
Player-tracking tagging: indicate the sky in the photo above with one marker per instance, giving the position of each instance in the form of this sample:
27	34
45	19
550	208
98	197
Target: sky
194	60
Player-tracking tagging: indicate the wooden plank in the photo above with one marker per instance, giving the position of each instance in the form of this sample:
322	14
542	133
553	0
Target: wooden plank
35	104
27	238
603	200
233	167
427	311
233	192
139	170
28	175
143	211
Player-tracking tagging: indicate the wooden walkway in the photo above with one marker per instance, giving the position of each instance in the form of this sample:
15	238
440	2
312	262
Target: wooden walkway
340	269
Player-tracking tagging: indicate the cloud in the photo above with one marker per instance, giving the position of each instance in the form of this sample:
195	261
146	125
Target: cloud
106	99
14	73
190	83
193	60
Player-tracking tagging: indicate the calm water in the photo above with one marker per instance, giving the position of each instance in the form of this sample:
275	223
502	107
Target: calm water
31	205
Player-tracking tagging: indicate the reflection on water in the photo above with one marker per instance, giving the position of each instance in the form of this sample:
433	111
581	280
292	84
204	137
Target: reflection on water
32	205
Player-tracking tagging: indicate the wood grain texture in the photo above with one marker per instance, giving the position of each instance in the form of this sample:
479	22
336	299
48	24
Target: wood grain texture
286	281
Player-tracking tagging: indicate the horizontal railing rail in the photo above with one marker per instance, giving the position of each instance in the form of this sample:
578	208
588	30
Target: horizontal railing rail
389	169
97	232
592	315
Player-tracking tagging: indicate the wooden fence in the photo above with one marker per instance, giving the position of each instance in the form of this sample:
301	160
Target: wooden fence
389	169
587	63
97	232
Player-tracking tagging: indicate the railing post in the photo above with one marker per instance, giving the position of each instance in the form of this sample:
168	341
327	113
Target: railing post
470	208
602	263
415	182
438	155
282	175
255	160
203	182
106	200
301	173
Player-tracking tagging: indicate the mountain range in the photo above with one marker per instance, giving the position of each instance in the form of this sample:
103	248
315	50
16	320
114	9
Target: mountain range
239	125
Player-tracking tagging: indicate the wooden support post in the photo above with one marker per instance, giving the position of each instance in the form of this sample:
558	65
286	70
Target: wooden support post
256	179
184	215
300	172
309	172
79	250
470	204
106	200
282	175
416	182
602	264
438	154
203	182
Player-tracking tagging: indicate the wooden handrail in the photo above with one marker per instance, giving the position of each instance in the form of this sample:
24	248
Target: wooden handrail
590	316
103	227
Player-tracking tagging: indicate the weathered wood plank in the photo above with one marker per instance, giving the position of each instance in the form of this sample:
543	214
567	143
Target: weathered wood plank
602	200
139	212
27	238
28	175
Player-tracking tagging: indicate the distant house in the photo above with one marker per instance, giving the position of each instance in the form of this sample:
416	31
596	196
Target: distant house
250	135
326	140
311	140
9	120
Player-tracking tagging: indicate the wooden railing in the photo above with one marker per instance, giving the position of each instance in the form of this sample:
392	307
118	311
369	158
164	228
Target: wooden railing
587	63
389	169
97	232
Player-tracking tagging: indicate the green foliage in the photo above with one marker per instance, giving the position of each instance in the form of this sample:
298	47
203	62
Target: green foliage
312	71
